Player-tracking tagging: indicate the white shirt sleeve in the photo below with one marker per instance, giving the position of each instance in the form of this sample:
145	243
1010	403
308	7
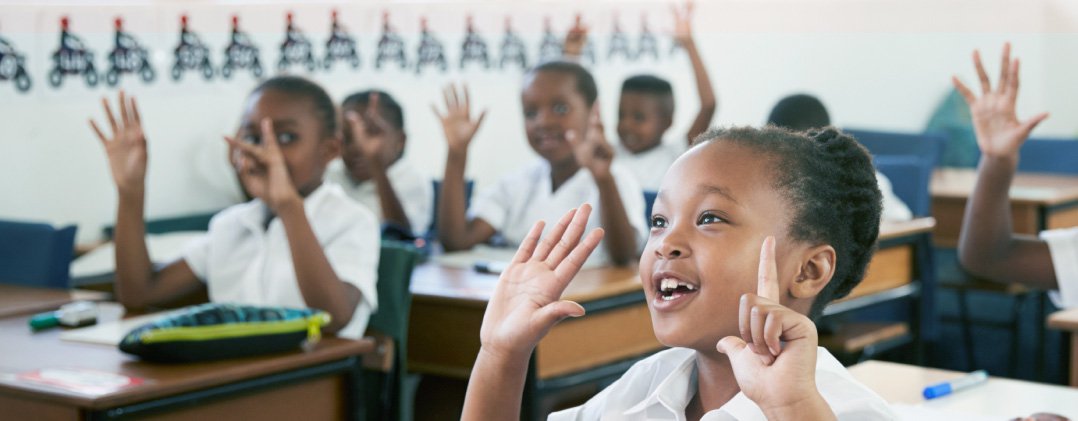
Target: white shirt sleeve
1063	245
197	256
632	199
417	198
354	254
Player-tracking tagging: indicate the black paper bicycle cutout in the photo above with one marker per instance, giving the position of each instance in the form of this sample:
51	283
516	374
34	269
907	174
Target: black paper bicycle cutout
127	56
340	46
13	66
474	48
296	48
72	58
619	42
513	48
240	53
647	44
191	54
390	46
430	52
551	48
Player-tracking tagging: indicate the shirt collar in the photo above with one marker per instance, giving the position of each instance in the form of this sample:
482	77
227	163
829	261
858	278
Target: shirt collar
672	392
256	210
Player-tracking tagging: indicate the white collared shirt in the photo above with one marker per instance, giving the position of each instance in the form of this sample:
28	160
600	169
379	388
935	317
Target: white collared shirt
243	261
414	191
894	209
661	387
1063	245
522	198
649	167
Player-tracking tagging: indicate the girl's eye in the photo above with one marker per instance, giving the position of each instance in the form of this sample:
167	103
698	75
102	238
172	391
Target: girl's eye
251	138
286	138
658	222
561	109
709	218
529	114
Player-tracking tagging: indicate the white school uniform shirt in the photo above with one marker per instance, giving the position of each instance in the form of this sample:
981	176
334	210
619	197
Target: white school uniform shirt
650	166
522	198
414	190
894	209
1063	245
242	261
661	386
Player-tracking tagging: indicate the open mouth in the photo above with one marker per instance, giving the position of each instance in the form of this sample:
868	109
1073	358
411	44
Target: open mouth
672	289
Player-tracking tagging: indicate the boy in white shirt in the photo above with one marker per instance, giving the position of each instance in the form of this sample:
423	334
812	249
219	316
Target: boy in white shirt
371	168
988	246
299	243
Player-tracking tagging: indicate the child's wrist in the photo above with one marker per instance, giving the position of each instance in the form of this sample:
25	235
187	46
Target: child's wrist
810	407
505	359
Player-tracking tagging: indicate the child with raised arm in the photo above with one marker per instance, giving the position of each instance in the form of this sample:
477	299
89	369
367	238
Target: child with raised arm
988	246
752	235
299	243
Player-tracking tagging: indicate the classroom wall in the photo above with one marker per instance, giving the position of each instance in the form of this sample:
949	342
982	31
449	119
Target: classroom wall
880	64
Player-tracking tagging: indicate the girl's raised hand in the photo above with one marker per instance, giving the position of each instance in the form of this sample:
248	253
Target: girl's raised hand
999	132
263	170
592	151
126	148
457	121
527	301
371	142
775	376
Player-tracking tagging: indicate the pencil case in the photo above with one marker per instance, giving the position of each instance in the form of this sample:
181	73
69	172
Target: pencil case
219	331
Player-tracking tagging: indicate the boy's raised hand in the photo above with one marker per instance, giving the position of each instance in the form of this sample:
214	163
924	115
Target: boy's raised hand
775	376
371	142
527	301
457	121
999	132
126	148
576	39
592	151
683	22
263	169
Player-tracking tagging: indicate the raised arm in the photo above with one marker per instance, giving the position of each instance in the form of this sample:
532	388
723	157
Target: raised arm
368	132
988	246
683	35
138	285
575	40
525	305
455	231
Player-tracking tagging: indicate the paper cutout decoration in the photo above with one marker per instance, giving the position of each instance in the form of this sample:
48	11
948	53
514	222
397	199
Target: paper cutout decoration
340	46
588	51
127	56
191	54
619	42
647	43
296	48
390	45
13	66
240	53
72	58
474	48
551	47
513	49
431	52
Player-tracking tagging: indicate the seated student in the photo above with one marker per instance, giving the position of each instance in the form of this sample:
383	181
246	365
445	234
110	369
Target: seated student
646	109
988	246
562	125
373	172
803	112
735	354
299	243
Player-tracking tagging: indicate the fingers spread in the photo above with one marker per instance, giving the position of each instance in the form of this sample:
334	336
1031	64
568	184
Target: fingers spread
554	236
527	247
964	90
986	86
100	135
572	236
108	113
572	264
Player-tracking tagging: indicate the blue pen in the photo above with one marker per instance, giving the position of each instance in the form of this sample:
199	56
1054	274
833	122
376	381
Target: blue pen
946	388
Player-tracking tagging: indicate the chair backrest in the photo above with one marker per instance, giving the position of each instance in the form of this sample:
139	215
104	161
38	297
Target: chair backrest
197	222
649	202
1043	155
910	178
35	254
925	145
432	232
395	266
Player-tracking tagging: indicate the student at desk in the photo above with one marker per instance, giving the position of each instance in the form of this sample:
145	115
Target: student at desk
299	243
987	245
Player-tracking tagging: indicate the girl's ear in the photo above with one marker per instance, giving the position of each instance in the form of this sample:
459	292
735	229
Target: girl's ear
331	148
817	268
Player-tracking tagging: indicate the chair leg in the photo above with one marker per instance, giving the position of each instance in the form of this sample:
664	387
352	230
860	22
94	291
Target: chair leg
1015	325
967	328
1039	339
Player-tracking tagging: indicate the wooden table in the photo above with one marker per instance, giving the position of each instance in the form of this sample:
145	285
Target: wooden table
1038	202
998	398
318	384
17	300
1067	320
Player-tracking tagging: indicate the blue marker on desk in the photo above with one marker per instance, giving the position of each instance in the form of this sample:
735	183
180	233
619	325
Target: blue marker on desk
946	388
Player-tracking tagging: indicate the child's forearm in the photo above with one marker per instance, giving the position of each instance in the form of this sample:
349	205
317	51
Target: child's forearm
495	387
134	270
453	230
812	409
392	210
318	283
704	90
620	236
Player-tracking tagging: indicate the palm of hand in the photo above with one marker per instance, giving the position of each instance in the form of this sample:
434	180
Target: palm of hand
459	130
127	155
370	145
998	130
525	290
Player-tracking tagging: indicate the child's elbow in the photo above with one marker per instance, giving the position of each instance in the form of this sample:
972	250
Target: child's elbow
974	262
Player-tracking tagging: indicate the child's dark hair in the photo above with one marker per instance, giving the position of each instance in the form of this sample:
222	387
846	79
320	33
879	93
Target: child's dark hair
585	84
653	86
390	109
320	100
799	113
831	185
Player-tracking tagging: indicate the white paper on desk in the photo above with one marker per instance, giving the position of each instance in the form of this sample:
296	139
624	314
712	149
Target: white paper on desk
110	333
923	413
163	248
467	259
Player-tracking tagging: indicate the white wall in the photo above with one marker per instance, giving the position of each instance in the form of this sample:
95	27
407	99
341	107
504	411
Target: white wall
876	63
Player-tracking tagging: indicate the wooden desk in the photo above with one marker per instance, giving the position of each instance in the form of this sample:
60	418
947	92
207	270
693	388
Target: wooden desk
1038	202
998	398
318	384
17	300
1067	320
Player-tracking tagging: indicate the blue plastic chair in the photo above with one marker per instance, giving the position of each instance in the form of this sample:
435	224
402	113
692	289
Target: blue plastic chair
35	254
910	178
1051	156
924	145
649	202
